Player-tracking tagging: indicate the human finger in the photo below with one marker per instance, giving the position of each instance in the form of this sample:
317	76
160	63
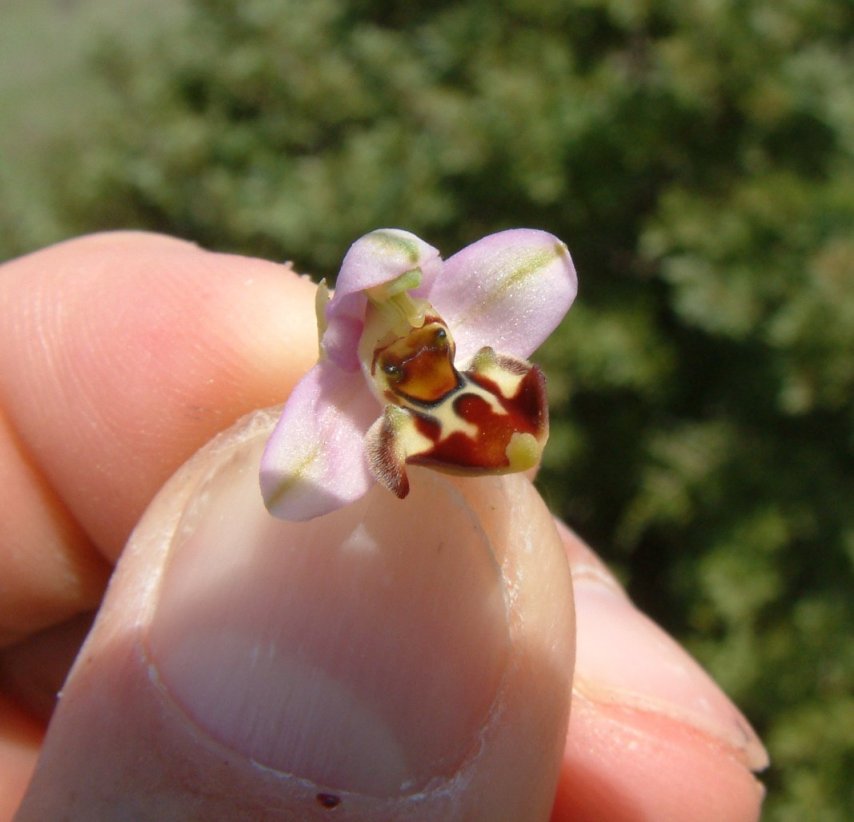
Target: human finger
651	736
120	355
394	659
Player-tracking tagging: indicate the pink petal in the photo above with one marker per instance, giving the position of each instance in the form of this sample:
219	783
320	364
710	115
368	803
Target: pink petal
315	461
372	260
343	331
383	255
509	291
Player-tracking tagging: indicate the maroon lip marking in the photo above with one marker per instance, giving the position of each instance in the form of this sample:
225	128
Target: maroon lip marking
525	412
457	422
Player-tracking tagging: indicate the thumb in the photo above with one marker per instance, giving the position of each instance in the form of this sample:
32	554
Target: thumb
390	660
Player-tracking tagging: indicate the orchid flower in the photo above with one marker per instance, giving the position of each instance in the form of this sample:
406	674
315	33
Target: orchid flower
421	362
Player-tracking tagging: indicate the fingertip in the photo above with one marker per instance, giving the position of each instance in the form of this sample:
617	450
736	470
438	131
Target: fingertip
122	353
651	734
627	766
118	241
269	657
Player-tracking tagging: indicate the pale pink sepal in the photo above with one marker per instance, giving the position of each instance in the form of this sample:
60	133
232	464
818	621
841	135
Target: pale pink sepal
373	260
314	461
509	290
381	256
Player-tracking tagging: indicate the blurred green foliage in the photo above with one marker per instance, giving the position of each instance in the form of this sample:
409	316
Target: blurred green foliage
697	157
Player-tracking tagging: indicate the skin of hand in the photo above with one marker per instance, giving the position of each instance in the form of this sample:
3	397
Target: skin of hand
392	661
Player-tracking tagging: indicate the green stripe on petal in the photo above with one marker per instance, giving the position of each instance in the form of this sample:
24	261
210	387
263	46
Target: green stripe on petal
314	461
508	291
394	243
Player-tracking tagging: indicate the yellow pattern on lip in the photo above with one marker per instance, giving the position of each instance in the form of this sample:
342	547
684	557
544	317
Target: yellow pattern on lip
492	418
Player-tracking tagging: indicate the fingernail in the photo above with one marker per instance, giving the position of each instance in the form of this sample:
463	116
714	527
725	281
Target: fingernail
362	650
625	659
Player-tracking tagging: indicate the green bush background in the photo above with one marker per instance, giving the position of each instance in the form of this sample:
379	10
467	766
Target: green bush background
697	158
